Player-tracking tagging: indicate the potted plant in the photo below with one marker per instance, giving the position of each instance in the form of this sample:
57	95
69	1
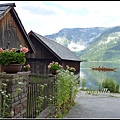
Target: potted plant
54	66
70	69
26	67
12	58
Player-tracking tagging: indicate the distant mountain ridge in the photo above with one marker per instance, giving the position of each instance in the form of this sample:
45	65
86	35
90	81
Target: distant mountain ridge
92	44
105	48
79	36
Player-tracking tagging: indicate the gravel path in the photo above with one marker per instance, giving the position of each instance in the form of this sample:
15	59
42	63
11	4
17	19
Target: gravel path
99	105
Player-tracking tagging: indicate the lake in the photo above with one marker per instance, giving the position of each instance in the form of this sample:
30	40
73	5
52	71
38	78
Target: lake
94	78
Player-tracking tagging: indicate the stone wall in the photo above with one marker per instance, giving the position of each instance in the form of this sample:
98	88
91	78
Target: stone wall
16	93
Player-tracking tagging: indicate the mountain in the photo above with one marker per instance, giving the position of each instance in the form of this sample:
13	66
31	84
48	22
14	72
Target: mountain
91	44
105	48
77	39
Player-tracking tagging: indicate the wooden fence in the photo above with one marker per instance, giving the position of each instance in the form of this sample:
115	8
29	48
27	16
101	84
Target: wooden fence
35	96
40	89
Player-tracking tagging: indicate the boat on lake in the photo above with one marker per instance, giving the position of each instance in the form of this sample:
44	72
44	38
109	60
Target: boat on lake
103	68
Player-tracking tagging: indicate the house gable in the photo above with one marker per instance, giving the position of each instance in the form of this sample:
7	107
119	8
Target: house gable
42	49
48	51
61	52
12	32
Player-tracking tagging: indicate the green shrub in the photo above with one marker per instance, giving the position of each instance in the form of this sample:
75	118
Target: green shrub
66	88
111	85
84	82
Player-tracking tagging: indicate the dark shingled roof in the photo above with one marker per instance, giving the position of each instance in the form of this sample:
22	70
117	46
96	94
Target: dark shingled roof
61	51
4	8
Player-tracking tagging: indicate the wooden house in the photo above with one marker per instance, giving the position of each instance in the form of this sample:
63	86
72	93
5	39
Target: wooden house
47	51
42	51
12	32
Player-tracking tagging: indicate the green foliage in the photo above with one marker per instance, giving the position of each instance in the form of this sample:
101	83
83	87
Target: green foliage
111	85
117	88
84	80
54	66
66	88
4	107
12	57
71	69
26	67
40	91
40	98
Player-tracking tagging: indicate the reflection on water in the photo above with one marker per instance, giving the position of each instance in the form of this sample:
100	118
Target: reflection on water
94	78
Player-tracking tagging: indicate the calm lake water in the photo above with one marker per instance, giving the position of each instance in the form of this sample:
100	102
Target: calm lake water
94	78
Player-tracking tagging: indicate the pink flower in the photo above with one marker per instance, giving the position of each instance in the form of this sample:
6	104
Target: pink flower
24	49
14	49
67	66
26	67
7	50
56	63
9	56
71	69
54	66
1	50
60	66
49	66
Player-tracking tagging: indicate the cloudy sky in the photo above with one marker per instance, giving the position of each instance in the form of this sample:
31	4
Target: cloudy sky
48	17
